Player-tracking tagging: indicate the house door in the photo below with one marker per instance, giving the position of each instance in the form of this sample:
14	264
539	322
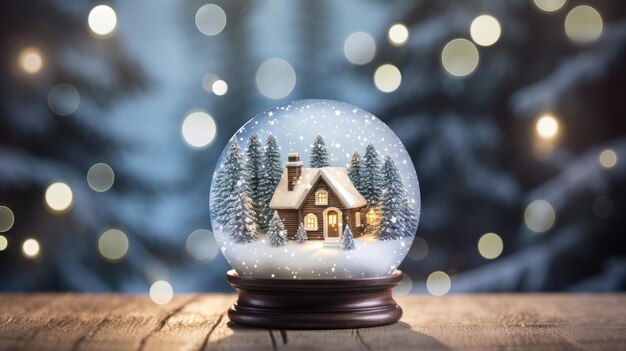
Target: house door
332	224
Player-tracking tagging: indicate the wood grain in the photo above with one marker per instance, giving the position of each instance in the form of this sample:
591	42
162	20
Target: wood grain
198	322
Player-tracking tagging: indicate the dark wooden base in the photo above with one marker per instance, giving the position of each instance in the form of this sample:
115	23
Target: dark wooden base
314	304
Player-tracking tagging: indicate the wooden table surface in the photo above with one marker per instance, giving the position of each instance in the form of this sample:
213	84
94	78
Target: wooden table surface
198	322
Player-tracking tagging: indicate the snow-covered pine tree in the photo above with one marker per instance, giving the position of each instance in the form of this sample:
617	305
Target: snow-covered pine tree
253	171
370	176
219	196
393	203
277	232
227	177
410	219
271	176
319	153
241	223
354	170
347	240
301	236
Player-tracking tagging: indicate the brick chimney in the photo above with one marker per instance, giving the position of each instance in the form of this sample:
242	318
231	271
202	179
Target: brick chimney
294	169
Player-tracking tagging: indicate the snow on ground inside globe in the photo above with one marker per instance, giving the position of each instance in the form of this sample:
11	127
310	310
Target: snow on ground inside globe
311	260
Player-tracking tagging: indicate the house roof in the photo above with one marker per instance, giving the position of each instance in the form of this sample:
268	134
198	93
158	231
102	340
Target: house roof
336	177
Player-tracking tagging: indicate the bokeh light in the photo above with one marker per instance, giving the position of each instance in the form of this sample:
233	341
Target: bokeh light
405	286
31	248
3	243
459	57
485	30
100	177
102	20
275	78
161	292
63	99
210	19
419	249
438	283
398	34
30	60
549	5
6	219
201	245
539	216
219	87
583	24
207	82
607	158
198	129
547	127
490	246
602	206
113	244
359	48
387	78
58	197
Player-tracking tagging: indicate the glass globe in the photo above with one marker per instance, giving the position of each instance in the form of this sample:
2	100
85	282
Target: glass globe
314	189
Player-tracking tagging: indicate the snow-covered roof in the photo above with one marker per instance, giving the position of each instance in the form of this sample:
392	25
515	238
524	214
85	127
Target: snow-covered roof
336	177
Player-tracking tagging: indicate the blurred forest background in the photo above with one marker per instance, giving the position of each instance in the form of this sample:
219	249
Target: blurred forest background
113	115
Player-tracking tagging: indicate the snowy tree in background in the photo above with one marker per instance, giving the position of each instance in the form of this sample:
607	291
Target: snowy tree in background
228	176
354	171
220	197
319	153
276	231
241	224
271	176
393	212
370	176
347	240
254	174
301	235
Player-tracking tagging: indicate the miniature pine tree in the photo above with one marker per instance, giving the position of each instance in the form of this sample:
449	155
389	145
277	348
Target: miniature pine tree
393	222
271	176
226	181
277	232
410	219
241	223
354	171
301	236
347	240
319	153
253	171
370	176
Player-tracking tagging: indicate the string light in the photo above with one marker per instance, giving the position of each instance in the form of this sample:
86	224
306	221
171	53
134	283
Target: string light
539	216
459	57
438	283
219	87
549	5
490	246
275	78
607	158
359	48
387	78
102	20
485	30
30	60
113	244
398	34
207	82
58	197
547	126
210	19
100	177
583	24
198	129
31	248
3	243
63	99
161	292
201	245
6	219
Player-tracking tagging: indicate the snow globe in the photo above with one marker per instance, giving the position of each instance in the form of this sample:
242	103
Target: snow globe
314	204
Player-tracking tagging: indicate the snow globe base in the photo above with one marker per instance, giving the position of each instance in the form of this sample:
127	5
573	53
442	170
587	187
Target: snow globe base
314	303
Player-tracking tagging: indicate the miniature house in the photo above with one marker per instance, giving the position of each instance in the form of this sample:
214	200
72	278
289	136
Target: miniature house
323	199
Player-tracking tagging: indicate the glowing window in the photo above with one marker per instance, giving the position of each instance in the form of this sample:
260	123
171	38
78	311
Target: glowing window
357	218
370	217
310	222
321	197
